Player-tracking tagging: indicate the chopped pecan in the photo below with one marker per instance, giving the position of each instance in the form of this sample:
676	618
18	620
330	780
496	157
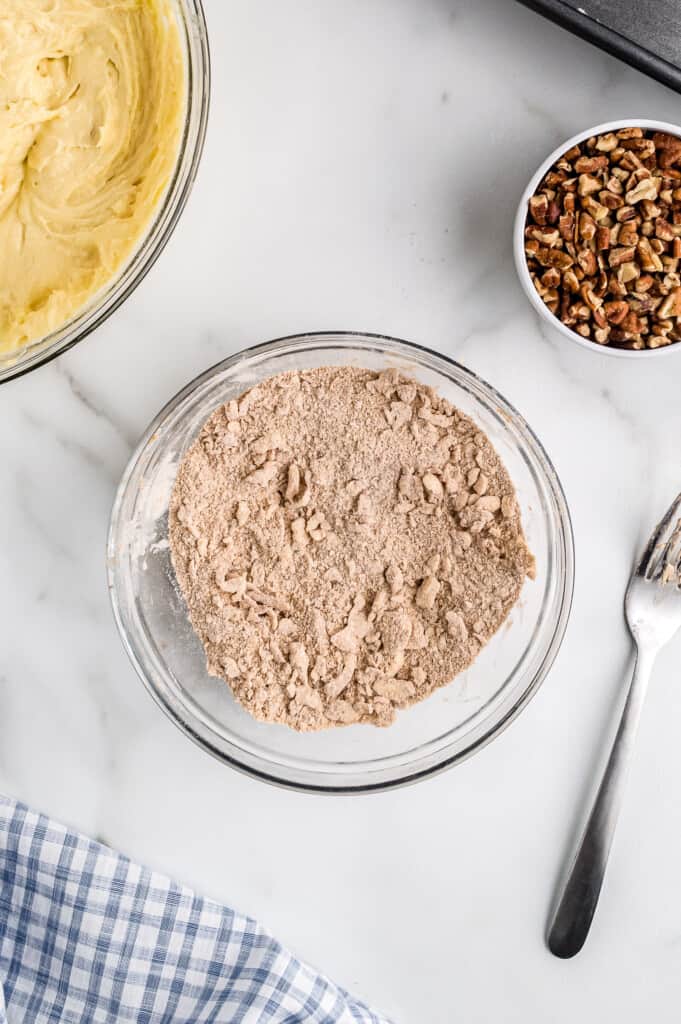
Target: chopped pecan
606	143
627	272
553	212
625	213
602	238
587	261
647	257
645	189
571	281
671	304
551	278
621	255
546	236
554	258
630	133
633	323
588	184
649	209
628	235
616	311
610	200
587	226
590	164
597	210
539	206
589	296
643	147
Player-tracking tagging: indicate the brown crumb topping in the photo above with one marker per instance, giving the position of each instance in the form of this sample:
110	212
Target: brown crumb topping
346	542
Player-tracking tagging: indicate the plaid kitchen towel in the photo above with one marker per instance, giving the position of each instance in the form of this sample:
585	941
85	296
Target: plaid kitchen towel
87	936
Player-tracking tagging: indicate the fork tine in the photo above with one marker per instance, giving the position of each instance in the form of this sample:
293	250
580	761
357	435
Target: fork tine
664	566
651	558
667	567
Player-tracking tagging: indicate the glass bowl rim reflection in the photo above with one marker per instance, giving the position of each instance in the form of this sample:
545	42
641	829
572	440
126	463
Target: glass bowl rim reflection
224	748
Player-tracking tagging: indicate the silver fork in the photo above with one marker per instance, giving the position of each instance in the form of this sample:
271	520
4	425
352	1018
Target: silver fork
653	611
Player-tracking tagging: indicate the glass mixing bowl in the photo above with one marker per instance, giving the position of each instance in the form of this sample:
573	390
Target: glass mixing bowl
194	38
445	728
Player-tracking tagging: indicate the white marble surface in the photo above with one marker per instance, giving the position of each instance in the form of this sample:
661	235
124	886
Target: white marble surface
363	165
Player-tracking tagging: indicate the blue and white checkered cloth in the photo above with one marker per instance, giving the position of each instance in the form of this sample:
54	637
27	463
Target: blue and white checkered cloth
87	936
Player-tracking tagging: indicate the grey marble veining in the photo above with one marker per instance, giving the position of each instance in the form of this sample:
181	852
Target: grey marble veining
362	170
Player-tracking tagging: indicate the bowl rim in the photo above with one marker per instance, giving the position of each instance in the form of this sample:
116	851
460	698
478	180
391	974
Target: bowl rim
519	238
114	293
565	537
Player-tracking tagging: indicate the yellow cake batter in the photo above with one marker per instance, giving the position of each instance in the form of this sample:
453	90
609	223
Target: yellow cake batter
92	96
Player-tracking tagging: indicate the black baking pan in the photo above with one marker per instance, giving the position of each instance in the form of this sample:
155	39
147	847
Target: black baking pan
644	33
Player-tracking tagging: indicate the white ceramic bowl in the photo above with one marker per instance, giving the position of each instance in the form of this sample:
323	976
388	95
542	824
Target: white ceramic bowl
519	239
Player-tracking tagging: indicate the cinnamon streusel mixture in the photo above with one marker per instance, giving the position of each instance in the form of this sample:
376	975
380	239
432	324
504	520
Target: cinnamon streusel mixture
346	542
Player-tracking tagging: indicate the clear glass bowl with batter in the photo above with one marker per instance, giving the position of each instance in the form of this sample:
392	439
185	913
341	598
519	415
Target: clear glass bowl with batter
194	41
444	729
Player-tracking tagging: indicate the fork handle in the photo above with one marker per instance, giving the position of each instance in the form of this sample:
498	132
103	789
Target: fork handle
574	914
